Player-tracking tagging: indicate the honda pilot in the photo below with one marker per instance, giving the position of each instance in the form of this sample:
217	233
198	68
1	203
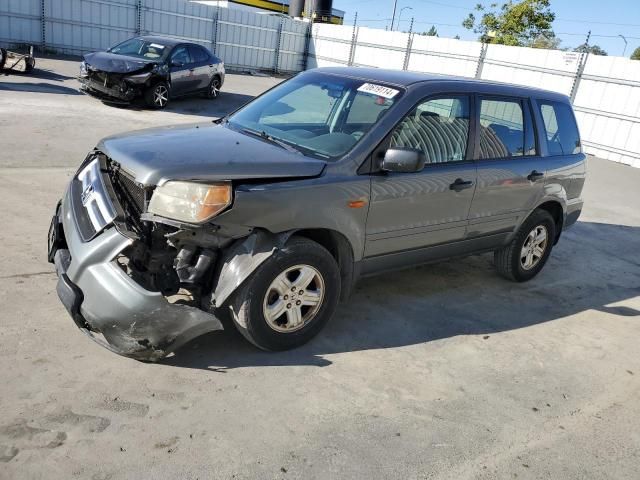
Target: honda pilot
270	215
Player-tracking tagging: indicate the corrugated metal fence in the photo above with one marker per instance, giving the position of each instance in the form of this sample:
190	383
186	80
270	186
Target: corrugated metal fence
244	40
605	90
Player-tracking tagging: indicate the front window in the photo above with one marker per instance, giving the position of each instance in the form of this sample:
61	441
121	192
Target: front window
137	47
321	115
438	127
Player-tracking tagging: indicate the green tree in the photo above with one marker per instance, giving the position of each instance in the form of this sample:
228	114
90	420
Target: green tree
636	54
518	23
595	49
549	41
432	32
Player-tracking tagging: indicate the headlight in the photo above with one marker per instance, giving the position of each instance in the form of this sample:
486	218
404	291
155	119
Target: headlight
190	202
83	69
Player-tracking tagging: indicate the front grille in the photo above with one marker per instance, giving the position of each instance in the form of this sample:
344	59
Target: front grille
135	194
130	195
92	206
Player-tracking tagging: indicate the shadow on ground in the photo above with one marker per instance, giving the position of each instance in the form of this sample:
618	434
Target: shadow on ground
226	103
593	266
39	87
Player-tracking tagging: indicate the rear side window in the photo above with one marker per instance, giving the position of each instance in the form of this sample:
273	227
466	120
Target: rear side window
501	129
560	129
438	127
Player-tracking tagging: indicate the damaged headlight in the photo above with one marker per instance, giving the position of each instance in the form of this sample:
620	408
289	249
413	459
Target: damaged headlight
83	69
190	202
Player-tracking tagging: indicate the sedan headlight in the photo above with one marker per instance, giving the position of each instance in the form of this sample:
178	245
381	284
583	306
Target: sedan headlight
190	202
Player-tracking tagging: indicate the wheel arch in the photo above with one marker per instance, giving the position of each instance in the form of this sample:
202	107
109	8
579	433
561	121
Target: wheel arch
557	210
341	250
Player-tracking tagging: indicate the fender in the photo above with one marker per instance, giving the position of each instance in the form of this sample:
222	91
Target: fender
241	260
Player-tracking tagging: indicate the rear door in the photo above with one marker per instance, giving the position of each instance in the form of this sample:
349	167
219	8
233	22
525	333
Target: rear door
510	168
410	211
181	67
564	160
201	59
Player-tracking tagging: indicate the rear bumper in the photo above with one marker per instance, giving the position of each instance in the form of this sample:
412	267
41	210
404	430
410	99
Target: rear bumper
109	306
574	209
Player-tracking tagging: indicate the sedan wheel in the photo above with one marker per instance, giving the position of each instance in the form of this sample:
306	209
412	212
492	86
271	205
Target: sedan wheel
214	88
293	298
160	96
157	96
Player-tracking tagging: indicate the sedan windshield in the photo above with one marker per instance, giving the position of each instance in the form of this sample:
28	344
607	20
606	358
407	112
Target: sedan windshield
137	47
320	115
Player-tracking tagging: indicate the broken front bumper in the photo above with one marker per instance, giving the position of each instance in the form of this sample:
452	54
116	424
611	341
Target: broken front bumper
109	306
120	92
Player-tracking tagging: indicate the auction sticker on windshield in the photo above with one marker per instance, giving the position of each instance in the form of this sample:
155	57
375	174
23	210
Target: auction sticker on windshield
379	90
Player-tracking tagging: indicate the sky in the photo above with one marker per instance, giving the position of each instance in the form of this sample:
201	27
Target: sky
605	18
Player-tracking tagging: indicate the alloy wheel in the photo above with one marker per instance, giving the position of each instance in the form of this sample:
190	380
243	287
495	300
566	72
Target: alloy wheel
293	299
215	88
160	96
534	247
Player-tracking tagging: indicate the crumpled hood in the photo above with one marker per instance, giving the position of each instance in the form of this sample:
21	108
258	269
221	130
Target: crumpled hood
203	152
112	63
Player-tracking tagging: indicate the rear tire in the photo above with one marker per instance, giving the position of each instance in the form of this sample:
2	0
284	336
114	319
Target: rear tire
268	309
157	96
529	250
213	90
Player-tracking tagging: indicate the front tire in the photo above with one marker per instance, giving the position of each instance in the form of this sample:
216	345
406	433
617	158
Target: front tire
289	298
157	96
529	250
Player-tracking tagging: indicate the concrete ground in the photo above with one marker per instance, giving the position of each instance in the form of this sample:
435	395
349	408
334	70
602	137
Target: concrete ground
442	372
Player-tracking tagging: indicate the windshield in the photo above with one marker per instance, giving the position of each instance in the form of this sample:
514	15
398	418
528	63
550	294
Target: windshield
137	47
321	115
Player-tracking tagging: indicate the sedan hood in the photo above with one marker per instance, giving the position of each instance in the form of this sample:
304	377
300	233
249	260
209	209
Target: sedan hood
112	63
203	152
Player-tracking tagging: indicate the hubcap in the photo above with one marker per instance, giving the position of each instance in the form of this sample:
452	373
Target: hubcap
160	95
215	88
293	298
534	247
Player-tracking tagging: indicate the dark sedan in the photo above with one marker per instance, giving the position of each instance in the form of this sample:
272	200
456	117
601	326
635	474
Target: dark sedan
156	69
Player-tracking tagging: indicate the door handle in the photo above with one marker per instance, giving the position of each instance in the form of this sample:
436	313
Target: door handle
535	175
460	184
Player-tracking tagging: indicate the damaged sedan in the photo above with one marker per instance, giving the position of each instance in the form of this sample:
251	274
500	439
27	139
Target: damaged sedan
154	69
268	216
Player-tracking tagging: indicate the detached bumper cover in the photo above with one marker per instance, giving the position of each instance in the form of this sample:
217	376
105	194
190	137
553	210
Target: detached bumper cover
111	308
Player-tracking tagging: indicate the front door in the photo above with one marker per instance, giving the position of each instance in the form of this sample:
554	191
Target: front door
182	71
510	169
415	210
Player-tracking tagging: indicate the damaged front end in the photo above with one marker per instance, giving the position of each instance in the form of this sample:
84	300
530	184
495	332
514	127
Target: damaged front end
119	86
140	285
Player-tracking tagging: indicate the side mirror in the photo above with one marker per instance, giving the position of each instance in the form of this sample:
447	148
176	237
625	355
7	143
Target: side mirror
403	160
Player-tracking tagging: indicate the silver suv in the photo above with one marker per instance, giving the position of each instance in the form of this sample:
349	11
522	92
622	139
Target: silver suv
269	215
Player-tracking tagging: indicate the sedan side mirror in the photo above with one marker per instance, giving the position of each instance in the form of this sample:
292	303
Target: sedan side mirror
403	160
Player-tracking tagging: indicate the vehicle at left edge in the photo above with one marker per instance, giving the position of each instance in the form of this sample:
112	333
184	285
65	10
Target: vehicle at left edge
154	69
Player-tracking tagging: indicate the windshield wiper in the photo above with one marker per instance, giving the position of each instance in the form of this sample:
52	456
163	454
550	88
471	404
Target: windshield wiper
265	136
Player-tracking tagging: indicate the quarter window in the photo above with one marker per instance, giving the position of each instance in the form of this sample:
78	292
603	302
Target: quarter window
438	127
501	129
560	127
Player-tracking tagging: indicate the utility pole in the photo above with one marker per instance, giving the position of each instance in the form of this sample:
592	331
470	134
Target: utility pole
393	17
